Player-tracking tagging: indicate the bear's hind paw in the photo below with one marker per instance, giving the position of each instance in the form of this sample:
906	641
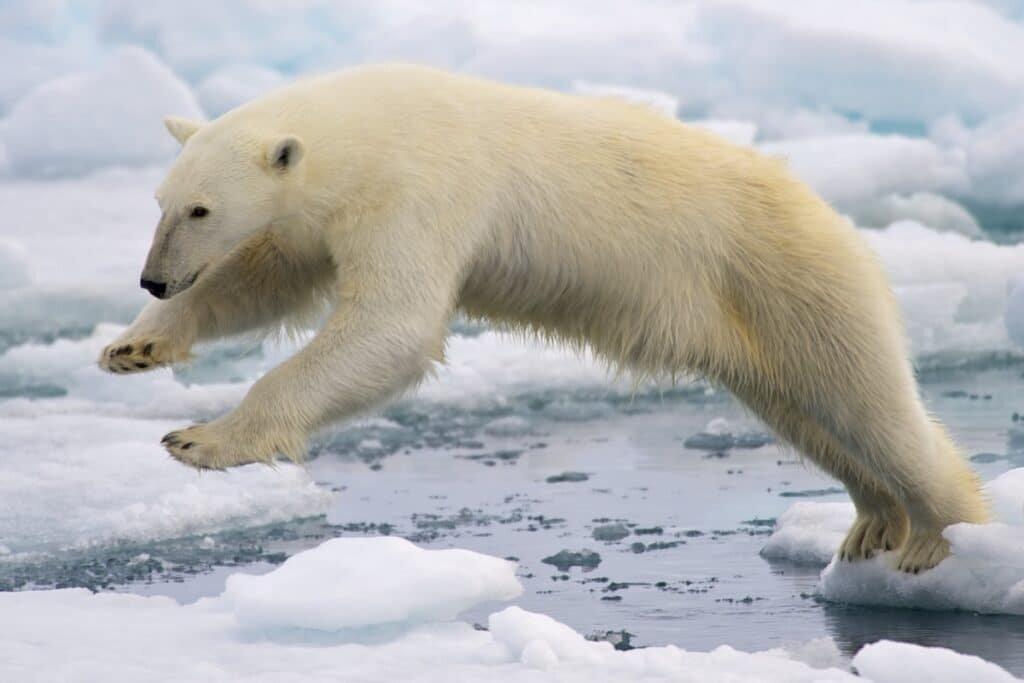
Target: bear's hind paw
872	534
201	447
923	551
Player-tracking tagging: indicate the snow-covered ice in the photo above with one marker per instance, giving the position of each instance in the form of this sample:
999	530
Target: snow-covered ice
809	532
889	662
318	617
349	583
985	572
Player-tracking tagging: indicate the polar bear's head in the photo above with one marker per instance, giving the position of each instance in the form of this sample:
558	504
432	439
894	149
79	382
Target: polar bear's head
226	184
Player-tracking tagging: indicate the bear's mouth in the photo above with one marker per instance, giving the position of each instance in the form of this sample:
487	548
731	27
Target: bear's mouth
187	282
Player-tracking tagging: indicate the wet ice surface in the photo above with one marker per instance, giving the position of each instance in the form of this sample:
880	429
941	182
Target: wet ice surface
688	572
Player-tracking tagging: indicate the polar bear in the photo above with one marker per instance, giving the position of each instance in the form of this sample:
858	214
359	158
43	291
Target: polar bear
399	195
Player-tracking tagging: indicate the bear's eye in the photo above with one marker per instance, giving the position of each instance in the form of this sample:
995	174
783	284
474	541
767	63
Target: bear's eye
199	212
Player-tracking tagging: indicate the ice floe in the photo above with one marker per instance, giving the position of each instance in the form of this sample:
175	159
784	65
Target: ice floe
348	583
985	572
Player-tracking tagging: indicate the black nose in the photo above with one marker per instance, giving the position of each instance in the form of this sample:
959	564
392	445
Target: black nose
157	289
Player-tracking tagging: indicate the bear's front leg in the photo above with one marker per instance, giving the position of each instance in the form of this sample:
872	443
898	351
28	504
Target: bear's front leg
383	336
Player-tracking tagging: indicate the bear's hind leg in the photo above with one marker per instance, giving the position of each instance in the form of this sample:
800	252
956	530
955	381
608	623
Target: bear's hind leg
881	523
944	492
916	466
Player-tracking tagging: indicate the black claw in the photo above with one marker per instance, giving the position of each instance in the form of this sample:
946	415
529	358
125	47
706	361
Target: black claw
142	366
188	445
147	349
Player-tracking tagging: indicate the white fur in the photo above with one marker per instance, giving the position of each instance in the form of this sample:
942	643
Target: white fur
410	193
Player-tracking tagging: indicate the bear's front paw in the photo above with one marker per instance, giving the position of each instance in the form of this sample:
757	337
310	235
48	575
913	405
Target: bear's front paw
138	355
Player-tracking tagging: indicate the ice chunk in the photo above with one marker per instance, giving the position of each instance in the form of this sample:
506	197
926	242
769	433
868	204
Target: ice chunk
517	629
985	572
234	85
809	533
98	118
348	583
1006	494
891	662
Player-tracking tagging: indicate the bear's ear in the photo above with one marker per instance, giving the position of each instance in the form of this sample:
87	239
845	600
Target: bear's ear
285	152
181	129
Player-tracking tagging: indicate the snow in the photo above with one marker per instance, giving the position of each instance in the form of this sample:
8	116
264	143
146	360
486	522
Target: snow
380	609
985	572
108	116
349	583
